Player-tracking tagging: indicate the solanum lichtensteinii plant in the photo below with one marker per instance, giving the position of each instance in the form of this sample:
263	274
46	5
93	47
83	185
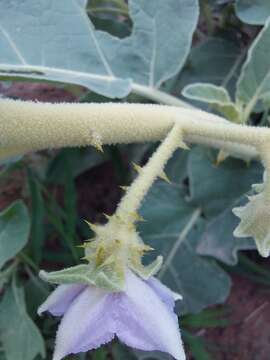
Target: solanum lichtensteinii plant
117	292
115	286
114	292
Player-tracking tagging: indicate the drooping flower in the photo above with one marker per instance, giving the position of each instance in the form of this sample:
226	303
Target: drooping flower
141	316
114	294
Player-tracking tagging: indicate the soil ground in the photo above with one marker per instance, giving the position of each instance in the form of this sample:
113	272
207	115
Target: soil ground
248	335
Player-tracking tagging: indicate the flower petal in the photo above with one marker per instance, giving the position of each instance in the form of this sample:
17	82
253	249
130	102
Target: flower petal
145	322
87	324
60	299
167	295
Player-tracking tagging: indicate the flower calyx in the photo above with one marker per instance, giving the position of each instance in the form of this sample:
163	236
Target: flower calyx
115	247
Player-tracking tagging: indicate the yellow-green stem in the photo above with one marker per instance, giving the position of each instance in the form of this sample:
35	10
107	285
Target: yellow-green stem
135	194
30	126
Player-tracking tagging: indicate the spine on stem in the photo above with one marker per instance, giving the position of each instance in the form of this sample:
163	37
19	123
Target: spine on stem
147	175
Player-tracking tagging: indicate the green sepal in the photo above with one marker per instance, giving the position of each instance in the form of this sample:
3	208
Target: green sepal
255	222
147	271
111	275
108	276
76	274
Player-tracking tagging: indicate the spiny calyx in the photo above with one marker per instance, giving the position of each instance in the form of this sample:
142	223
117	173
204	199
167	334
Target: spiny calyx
117	243
255	222
255	217
255	214
115	247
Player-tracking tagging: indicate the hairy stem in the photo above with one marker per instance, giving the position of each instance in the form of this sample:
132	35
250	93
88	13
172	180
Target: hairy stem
135	194
159	96
30	126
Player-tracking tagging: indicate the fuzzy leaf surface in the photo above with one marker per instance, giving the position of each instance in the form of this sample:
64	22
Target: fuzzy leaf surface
254	81
14	231
20	338
55	40
254	12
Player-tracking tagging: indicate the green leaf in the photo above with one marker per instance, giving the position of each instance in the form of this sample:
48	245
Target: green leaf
254	82
208	318
76	274
37	217
20	338
14	231
216	189
100	354
48	48
82	3
173	228
6	274
107	276
254	12
197	347
209	93
218	240
176	168
206	56
213	188
82	159
36	292
215	96
122	352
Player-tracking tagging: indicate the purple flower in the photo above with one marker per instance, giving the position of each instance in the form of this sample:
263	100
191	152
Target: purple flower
141	316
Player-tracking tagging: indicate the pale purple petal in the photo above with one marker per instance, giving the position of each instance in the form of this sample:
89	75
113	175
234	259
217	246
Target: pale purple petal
167	295
142	317
87	324
60	299
145	322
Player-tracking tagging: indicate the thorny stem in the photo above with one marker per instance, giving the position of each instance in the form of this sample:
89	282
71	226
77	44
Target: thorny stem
135	194
29	126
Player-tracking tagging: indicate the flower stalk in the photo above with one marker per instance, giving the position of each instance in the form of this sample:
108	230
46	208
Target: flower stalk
131	201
